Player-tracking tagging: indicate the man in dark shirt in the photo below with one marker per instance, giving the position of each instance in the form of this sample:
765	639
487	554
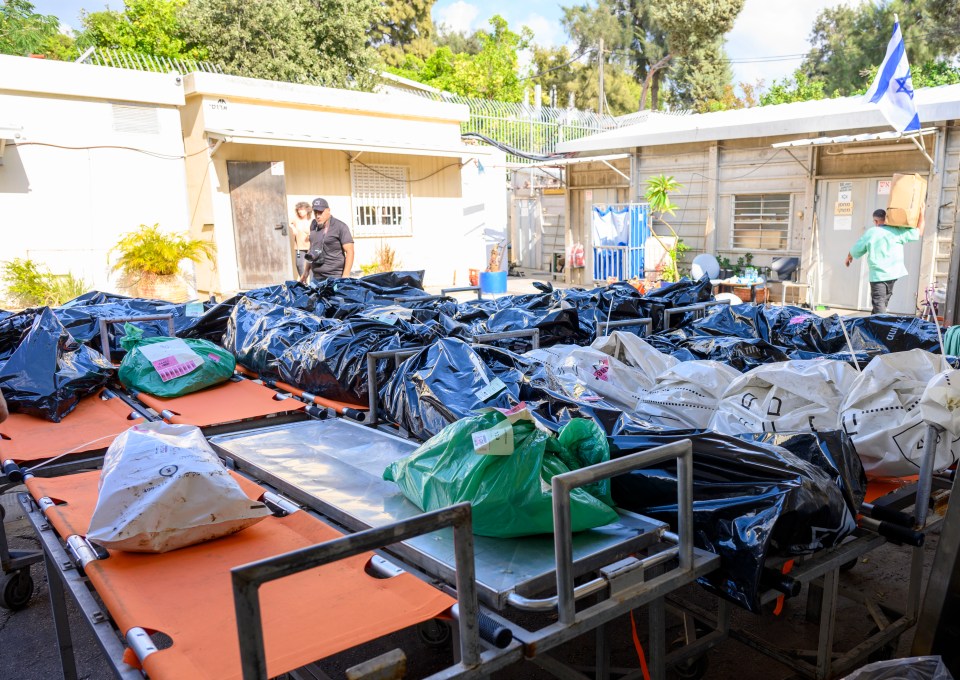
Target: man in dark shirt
331	245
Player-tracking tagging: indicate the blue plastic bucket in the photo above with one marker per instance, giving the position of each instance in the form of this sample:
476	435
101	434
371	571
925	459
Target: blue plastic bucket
493	283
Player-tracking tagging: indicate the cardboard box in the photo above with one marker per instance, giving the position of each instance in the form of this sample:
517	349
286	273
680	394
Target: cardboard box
907	197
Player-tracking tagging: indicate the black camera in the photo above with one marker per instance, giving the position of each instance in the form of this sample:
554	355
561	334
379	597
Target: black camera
314	257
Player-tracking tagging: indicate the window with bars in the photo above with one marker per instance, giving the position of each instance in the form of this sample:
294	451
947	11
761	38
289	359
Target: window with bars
761	222
381	205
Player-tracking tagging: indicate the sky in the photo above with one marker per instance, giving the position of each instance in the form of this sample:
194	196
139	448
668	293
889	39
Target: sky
767	42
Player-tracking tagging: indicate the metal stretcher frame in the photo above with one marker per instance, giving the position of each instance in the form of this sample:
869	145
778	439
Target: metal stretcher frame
66	557
699	311
192	406
625	583
16	584
821	572
646	323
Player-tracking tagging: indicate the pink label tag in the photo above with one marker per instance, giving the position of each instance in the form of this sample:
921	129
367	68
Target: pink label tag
170	368
600	371
800	318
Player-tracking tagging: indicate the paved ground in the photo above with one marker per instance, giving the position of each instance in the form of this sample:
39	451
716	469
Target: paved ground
28	646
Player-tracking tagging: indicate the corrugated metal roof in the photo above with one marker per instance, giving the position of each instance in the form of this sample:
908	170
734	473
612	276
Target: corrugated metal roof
801	118
855	139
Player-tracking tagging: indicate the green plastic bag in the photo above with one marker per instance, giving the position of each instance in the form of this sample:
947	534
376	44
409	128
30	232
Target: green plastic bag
503	466
172	367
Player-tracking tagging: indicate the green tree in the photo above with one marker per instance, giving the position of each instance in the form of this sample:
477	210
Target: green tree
23	31
676	43
849	41
940	22
694	30
491	73
317	42
700	77
747	97
458	41
581	79
404	28
144	26
799	88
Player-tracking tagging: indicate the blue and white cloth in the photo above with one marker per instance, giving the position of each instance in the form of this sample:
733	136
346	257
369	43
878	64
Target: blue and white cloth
892	89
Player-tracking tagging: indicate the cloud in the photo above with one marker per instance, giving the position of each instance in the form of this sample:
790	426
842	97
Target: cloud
459	16
546	32
760	32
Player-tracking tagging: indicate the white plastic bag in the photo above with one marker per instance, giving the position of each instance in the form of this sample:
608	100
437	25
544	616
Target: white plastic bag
636	352
788	396
885	410
162	487
584	370
687	394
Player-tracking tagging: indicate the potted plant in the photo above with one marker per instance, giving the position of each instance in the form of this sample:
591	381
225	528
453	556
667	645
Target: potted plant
149	261
658	196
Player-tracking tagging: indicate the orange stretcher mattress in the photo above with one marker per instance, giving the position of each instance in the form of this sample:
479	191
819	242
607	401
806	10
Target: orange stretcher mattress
337	406
92	426
187	593
881	486
225	403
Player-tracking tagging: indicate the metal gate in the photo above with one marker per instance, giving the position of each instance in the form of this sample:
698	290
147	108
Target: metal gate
619	232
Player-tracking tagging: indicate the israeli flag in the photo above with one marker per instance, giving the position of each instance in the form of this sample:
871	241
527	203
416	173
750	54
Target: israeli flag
892	89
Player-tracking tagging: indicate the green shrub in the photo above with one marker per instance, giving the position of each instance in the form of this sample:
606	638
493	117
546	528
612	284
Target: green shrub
30	284
150	250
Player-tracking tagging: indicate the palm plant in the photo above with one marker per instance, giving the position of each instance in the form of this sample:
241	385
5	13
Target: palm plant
658	193
148	250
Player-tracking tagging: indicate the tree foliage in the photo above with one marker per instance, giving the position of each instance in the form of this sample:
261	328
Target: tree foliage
850	42
798	88
144	26
405	27
677	44
24	31
490	73
318	42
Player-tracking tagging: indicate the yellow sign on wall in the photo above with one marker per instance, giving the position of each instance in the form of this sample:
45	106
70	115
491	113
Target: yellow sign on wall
843	208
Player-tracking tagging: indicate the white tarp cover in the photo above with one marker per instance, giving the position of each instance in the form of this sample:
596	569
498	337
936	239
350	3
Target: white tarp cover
788	396
885	410
162	487
687	394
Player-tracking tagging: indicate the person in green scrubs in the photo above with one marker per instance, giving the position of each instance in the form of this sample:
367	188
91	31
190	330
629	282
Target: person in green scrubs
883	246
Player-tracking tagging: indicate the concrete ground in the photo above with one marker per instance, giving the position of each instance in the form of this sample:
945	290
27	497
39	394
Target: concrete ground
28	647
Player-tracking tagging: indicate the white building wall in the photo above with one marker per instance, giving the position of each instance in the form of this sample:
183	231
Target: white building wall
82	170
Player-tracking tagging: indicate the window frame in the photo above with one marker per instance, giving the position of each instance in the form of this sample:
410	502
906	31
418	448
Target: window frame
787	234
379	205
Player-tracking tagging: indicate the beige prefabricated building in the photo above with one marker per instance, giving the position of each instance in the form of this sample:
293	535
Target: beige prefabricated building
790	164
393	167
88	153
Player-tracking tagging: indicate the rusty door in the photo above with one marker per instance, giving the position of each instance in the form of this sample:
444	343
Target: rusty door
258	196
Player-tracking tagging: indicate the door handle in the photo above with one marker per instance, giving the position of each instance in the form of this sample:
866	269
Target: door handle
282	227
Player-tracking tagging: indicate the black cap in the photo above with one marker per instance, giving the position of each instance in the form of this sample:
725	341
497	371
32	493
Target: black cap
320	204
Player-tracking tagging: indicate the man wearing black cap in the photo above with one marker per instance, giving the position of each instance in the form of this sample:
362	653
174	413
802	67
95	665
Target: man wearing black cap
331	245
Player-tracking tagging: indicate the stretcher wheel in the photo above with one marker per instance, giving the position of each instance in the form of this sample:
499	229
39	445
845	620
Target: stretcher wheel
16	589
434	633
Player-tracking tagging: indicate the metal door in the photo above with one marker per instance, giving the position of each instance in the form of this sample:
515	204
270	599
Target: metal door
258	196
529	232
839	226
